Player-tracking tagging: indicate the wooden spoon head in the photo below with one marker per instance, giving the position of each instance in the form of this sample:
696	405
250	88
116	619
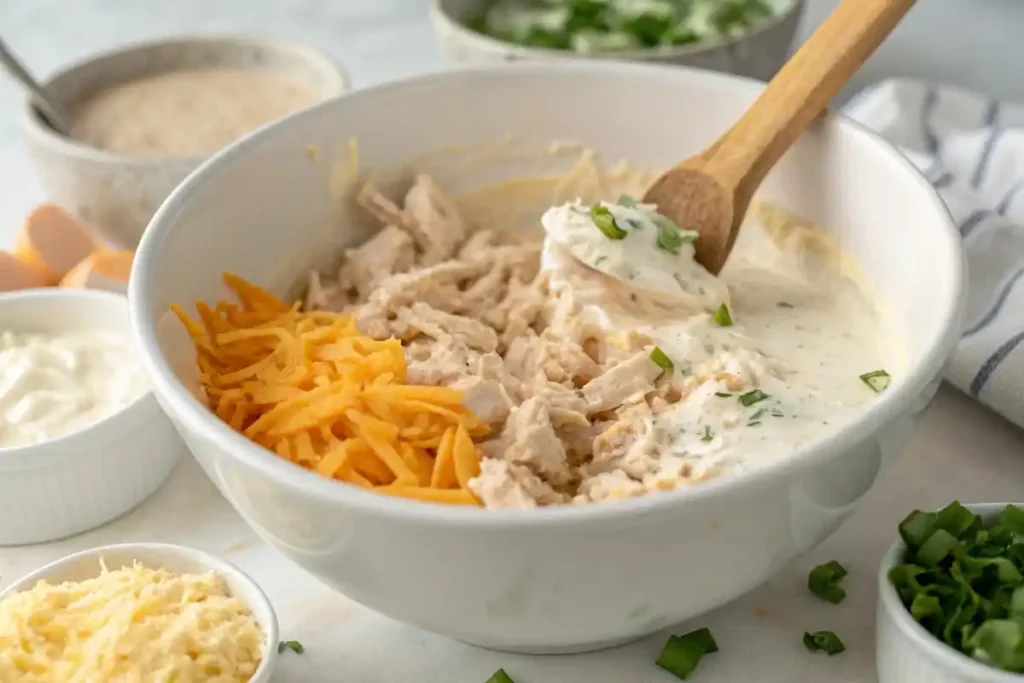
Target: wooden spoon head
695	200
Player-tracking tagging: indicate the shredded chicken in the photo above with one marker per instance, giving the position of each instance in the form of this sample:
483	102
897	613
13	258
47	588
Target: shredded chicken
570	406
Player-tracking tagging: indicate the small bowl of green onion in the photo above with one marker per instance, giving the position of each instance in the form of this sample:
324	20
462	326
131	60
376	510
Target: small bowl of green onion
745	37
951	597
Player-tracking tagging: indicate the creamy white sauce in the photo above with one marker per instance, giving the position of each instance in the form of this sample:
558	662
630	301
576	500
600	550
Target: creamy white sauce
645	251
54	384
802	341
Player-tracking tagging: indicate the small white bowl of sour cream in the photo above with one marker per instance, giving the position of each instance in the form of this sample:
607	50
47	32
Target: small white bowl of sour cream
179	561
82	438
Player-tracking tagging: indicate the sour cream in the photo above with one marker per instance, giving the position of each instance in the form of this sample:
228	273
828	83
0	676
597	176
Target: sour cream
632	243
54	384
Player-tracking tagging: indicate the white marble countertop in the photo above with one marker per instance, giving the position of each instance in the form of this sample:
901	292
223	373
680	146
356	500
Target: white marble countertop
961	450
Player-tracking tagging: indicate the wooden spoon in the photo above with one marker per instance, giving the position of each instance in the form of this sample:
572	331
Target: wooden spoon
711	191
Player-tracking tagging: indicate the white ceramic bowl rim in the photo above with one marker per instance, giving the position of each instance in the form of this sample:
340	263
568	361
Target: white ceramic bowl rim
189	410
211	562
936	649
439	14
316	59
63	447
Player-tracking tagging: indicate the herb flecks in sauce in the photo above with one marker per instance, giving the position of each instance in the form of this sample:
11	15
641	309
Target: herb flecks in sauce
877	380
605	222
751	397
790	362
722	316
659	358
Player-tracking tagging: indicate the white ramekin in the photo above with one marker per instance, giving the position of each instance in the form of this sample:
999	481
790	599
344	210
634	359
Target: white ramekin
906	652
178	560
86	478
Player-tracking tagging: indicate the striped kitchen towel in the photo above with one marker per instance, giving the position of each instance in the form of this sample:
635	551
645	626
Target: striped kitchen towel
971	148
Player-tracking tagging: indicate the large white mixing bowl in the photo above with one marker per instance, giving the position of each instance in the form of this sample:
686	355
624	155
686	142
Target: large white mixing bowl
566	578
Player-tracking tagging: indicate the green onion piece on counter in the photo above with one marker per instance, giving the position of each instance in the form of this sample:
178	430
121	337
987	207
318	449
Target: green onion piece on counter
681	654
824	641
627	201
500	676
823	581
722	317
708	434
752	397
605	222
877	380
702	637
723	394
293	645
659	358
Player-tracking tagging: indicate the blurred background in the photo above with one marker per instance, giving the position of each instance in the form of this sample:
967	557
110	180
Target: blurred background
973	43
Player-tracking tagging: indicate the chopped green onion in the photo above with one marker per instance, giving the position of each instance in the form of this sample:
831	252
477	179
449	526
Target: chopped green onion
605	222
500	676
936	548
917	527
702	637
955	518
823	641
627	201
877	380
823	581
751	397
708	434
681	654
784	304
723	394
605	26
722	317
1001	643
670	237
925	606
293	645
659	358
962	579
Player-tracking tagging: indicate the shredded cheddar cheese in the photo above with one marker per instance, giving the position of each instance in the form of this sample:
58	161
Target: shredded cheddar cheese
309	387
132	624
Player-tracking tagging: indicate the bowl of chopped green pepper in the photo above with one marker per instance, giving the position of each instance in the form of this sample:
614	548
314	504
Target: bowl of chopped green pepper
745	37
951	597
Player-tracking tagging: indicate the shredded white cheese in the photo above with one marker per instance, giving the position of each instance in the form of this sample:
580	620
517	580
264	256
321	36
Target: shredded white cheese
132	624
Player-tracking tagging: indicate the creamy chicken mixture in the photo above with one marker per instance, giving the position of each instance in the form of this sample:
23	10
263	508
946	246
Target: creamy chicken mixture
607	361
188	113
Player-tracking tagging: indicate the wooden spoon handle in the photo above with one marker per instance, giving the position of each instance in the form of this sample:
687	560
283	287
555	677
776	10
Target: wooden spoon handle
799	92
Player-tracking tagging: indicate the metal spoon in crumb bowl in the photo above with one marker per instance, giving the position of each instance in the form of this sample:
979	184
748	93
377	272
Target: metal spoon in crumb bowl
565	578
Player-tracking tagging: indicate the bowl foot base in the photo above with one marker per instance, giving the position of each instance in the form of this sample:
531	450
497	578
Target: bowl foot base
576	649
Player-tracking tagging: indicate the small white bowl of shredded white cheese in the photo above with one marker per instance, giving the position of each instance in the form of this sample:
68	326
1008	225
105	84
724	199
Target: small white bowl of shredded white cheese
137	612
82	437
